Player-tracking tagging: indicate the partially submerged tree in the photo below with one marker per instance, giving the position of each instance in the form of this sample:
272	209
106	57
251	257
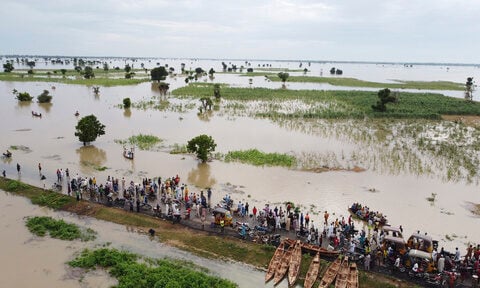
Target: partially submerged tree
88	73
163	87
469	89
202	145
24	97
283	76
88	129
44	97
158	74
385	97
216	91
8	67
126	103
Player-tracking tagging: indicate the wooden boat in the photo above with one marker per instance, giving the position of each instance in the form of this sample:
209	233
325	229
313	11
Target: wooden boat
352	281
36	114
295	261
311	248
282	267
376	217
274	262
330	273
342	275
312	273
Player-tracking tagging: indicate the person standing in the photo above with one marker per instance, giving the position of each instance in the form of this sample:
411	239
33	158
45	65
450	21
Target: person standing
39	168
367	262
18	168
4	174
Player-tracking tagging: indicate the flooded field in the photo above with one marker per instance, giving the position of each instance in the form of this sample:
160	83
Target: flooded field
401	184
44	259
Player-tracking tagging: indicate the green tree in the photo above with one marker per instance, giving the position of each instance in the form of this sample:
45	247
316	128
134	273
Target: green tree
31	64
88	73
163	87
126	103
158	74
44	97
202	145
64	71
88	129
469	89
105	66
8	67
283	76
384	97
211	72
127	68
129	75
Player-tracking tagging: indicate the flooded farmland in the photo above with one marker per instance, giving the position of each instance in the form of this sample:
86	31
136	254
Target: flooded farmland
397	186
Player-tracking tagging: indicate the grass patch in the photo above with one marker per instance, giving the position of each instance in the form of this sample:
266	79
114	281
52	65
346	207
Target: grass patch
258	158
353	82
283	103
99	80
100	168
134	271
144	142
59	229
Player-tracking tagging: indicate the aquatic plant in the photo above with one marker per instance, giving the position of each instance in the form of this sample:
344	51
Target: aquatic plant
143	141
60	229
258	158
131	270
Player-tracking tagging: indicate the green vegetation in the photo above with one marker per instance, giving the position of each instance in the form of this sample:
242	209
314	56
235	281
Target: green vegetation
58	229
44	97
88	129
352	82
202	145
255	157
336	104
133	271
102	78
144	142
126	103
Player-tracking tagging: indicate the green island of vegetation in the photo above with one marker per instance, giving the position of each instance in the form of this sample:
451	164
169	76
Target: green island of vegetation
132	270
60	229
142	141
353	82
258	158
102	78
338	104
196	242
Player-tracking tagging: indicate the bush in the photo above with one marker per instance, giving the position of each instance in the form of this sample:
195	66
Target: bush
25	96
126	103
44	97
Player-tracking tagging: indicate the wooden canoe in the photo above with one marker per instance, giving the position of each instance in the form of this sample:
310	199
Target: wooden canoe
311	248
352	281
274	262
342	275
294	266
282	267
312	273
330	273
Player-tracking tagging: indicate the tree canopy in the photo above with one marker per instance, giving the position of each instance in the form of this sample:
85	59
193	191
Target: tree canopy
88	129
158	74
202	145
8	67
44	97
88	72
384	98
283	76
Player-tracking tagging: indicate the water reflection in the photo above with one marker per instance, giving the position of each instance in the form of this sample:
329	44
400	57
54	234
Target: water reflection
205	116
127	112
201	176
46	106
91	157
23	104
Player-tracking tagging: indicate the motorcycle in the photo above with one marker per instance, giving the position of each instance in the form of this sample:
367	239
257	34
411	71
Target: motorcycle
435	279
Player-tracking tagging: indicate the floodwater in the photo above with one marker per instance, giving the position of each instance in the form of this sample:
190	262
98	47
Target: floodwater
402	197
41	261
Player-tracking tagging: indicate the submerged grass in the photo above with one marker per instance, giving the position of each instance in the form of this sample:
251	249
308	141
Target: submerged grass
258	158
131	270
100	80
144	142
353	82
60	229
336	104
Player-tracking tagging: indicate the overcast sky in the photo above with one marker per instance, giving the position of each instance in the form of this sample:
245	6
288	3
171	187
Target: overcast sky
341	30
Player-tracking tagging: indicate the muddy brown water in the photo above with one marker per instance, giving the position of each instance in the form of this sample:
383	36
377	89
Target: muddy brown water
52	142
31	261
